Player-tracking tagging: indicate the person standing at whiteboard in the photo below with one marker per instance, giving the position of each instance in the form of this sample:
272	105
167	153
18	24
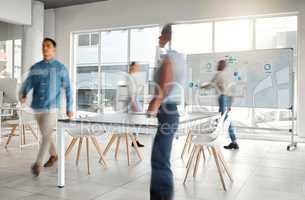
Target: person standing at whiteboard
222	82
135	91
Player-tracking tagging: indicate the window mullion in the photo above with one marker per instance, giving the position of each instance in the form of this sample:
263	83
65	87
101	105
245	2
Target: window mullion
100	100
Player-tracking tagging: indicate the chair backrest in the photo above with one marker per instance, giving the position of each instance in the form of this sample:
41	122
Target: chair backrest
220	125
26	115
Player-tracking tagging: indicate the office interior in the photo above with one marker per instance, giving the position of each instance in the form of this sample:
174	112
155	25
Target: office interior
98	39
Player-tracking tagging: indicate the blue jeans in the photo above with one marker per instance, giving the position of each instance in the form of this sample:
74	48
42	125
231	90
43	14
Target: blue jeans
162	183
225	103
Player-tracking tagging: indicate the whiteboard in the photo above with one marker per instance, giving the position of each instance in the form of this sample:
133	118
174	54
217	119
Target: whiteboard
261	78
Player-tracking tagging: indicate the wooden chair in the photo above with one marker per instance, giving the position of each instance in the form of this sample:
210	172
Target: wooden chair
79	134
209	140
117	137
25	122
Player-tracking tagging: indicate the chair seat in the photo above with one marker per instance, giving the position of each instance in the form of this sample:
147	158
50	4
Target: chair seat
12	122
202	132
204	139
16	122
83	132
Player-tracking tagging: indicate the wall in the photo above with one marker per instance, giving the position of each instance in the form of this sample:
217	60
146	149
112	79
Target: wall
16	11
49	23
117	13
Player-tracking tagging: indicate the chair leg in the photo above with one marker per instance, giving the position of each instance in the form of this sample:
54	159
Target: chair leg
20	136
190	164
185	144
79	150
135	144
99	151
70	147
33	132
23	133
210	152
127	149
197	161
117	147
190	144
12	133
219	168
111	141
225	165
203	154
88	157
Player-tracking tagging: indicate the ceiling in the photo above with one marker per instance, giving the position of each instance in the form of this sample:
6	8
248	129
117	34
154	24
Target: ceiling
63	3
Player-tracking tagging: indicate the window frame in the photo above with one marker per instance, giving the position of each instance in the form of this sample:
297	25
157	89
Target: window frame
253	37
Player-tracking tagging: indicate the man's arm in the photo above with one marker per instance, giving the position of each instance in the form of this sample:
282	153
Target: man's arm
68	90
166	77
27	85
211	84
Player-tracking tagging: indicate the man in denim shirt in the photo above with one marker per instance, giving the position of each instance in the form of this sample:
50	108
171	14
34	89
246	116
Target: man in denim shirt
47	78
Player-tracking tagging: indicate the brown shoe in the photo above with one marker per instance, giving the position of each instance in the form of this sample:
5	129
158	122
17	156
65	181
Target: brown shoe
35	169
51	161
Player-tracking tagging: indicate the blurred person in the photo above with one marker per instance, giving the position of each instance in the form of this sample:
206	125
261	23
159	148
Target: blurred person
46	78
222	82
135	92
170	80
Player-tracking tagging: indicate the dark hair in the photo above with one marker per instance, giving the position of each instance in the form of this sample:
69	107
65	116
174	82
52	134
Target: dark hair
167	30
47	39
221	65
132	63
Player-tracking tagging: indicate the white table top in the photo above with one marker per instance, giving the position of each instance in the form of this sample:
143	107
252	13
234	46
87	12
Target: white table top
135	119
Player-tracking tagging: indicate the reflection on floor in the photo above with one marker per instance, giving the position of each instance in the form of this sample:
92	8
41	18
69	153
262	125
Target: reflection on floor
262	170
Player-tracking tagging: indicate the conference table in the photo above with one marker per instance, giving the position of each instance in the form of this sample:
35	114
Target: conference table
122	123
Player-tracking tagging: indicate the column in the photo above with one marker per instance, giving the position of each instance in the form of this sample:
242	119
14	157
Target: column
32	37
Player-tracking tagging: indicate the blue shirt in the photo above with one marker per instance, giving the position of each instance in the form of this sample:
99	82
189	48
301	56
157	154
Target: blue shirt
47	78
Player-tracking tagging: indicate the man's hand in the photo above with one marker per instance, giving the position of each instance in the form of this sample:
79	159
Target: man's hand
153	107
70	114
22	99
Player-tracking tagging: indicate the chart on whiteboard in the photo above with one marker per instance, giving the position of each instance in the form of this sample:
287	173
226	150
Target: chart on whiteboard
261	78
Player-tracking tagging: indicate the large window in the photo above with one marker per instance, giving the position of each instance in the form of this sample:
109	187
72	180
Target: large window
10	58
102	57
233	35
276	32
114	46
102	60
143	43
193	38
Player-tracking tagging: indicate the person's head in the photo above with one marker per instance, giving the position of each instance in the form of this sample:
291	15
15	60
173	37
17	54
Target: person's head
48	48
133	67
166	35
221	65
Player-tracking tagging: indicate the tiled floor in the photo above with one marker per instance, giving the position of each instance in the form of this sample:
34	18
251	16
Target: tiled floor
262	170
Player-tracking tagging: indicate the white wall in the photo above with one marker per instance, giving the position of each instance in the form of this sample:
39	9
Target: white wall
49	23
118	13
16	11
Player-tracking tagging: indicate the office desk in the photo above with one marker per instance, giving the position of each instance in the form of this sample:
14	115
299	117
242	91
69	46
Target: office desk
121	122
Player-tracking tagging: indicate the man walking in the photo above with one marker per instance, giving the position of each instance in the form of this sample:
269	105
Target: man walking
46	78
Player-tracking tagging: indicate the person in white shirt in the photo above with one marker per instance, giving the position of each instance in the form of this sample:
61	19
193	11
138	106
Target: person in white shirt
222	83
170	82
135	92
